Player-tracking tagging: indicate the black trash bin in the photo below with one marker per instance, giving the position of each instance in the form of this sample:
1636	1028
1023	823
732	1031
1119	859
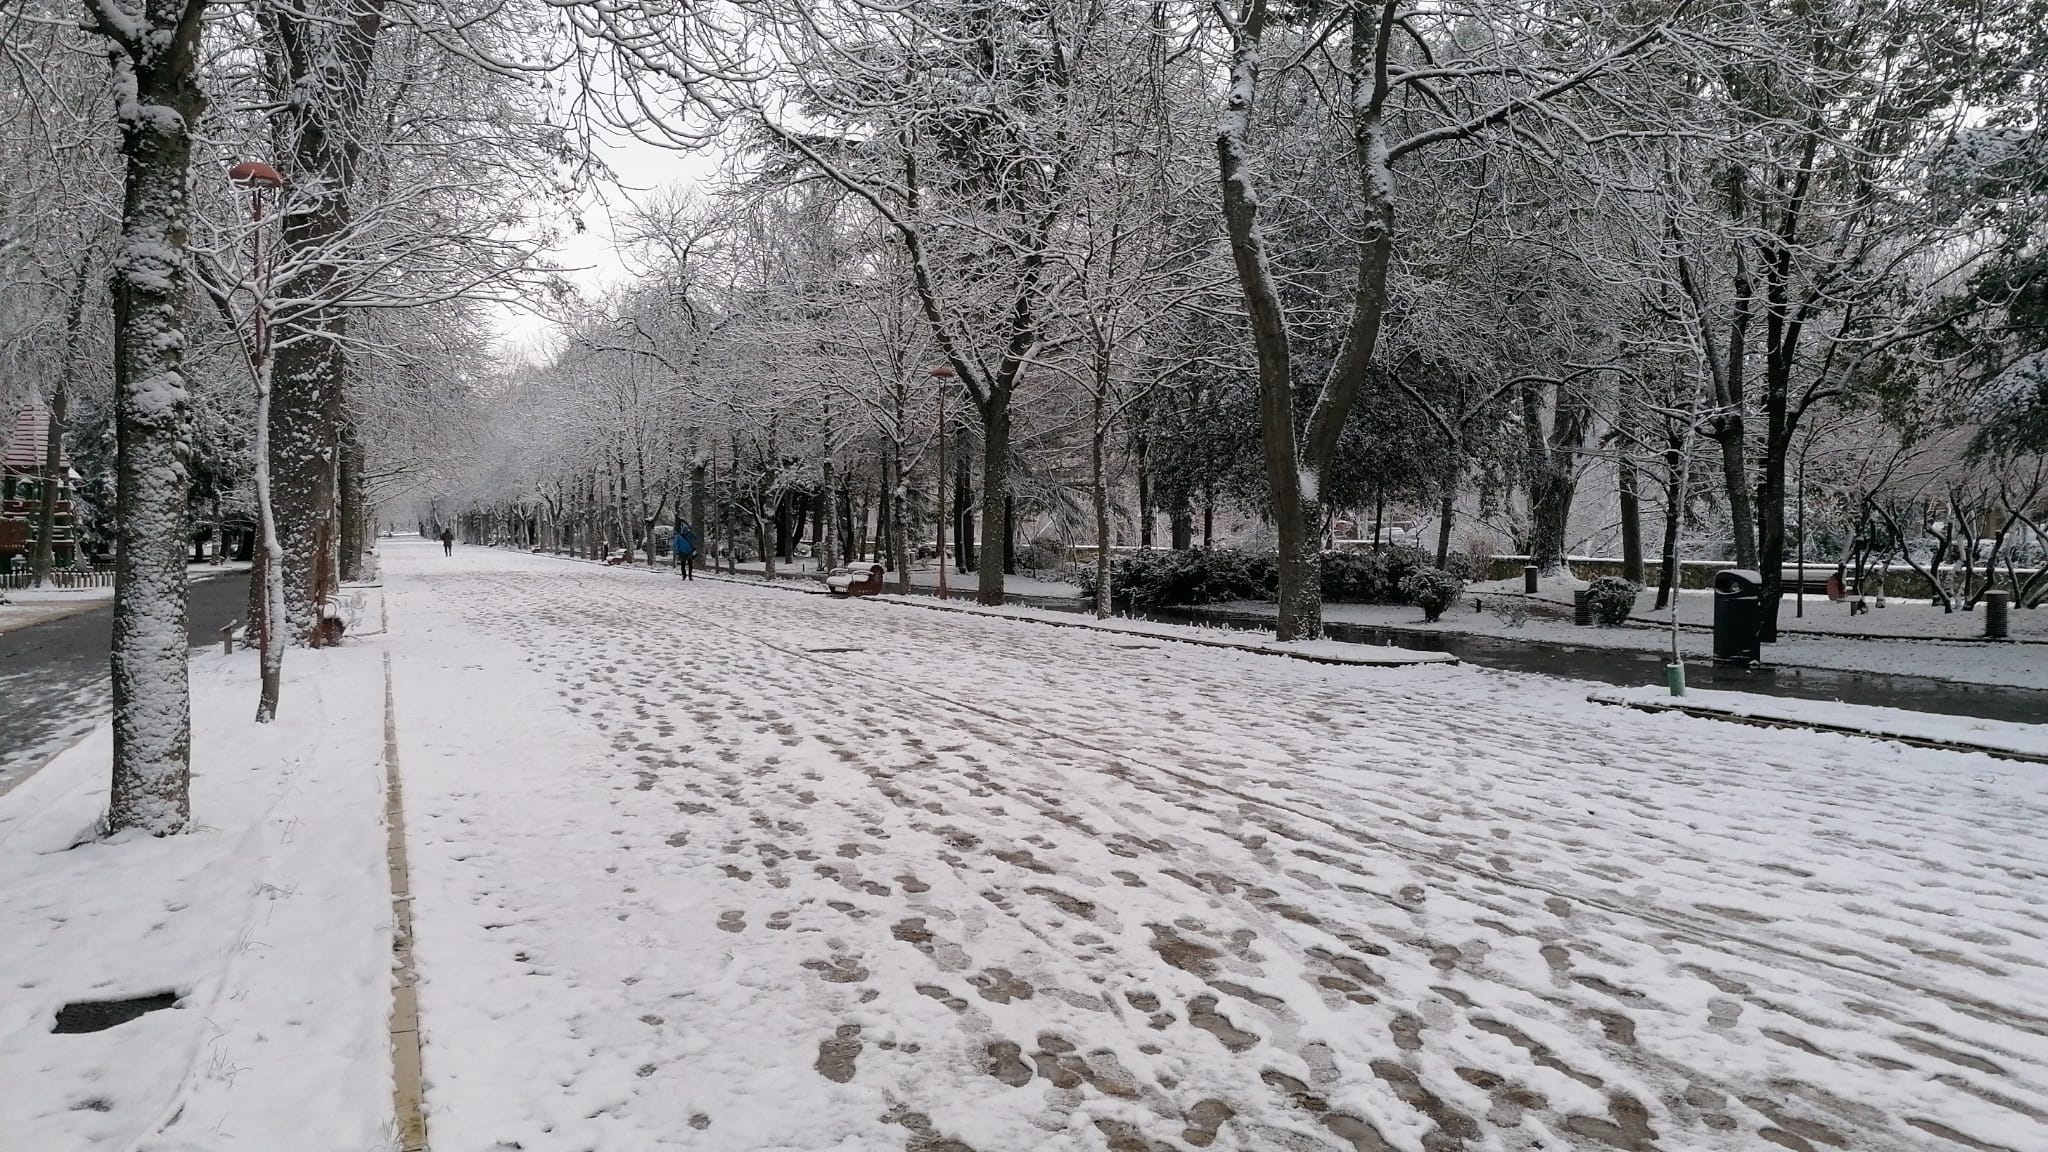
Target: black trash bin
1738	616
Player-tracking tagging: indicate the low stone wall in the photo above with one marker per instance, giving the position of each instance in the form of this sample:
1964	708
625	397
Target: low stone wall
1898	580
1691	573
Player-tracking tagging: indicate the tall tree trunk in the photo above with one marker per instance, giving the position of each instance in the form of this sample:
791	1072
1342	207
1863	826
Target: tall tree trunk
1771	522
1296	466
1145	509
1674	522
320	74
354	526
156	68
1009	533
699	463
963	504
899	519
1631	517
1729	433
53	444
1098	491
995	481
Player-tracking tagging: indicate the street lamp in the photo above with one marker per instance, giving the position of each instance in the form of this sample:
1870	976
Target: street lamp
256	176
944	375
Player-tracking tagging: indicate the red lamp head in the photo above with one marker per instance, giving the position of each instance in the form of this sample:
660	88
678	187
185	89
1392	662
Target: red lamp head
943	372
254	174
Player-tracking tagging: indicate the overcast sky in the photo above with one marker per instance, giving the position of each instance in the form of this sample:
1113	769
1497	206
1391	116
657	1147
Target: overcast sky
639	170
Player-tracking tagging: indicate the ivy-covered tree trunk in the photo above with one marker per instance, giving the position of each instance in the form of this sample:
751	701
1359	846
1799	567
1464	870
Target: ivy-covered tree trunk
154	51
320	65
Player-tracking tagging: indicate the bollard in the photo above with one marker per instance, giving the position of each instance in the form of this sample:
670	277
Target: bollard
1997	615
1529	579
227	639
1582	607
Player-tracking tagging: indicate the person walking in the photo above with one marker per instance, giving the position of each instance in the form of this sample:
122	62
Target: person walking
685	544
447	541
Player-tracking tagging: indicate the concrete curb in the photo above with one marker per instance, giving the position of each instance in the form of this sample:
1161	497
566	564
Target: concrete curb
408	1089
1709	713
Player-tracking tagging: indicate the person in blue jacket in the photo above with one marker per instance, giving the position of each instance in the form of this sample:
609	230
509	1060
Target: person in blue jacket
685	544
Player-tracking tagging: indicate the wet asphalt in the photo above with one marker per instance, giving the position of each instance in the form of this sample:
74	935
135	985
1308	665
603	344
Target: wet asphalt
54	676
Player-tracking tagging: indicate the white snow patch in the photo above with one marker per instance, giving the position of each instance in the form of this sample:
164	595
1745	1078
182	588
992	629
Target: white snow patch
270	921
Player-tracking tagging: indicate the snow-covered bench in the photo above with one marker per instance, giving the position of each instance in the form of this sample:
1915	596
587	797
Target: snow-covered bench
844	583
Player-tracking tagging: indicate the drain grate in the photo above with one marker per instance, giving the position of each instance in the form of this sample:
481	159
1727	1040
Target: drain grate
100	1015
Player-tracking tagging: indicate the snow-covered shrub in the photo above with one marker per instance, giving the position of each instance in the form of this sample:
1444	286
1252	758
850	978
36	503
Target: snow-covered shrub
1157	578
1358	576
1162	578
1432	590
1612	599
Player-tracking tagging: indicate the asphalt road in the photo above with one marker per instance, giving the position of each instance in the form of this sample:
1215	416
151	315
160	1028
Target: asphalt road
53	676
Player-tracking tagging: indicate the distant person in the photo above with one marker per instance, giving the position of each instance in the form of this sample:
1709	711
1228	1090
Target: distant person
685	544
447	541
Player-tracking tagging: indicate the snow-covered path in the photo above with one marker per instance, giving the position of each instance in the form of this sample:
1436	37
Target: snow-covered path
722	867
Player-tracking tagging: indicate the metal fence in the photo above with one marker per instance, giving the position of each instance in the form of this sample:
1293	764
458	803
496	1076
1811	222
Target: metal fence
61	578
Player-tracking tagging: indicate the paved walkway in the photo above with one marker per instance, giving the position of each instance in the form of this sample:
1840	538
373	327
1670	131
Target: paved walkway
716	867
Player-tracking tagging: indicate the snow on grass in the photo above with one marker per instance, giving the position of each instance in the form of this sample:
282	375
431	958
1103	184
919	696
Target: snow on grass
2017	665
270	921
1322	651
714	866
2028	739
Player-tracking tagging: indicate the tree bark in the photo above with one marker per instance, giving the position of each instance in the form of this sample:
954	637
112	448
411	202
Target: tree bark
1674	517
995	481
1295	467
965	560
354	529
1009	533
1145	510
53	445
1098	490
156	66
1631	517
320	73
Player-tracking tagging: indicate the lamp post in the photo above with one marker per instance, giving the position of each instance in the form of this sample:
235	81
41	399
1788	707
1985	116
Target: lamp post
944	375
256	177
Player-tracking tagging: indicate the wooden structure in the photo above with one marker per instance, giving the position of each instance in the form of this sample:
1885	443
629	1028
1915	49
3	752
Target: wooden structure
21	488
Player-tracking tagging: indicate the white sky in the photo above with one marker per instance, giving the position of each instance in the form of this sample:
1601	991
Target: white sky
591	256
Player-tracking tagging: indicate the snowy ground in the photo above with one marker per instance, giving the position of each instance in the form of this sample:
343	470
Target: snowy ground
37	605
270	923
2019	665
710	866
1970	732
1920	640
